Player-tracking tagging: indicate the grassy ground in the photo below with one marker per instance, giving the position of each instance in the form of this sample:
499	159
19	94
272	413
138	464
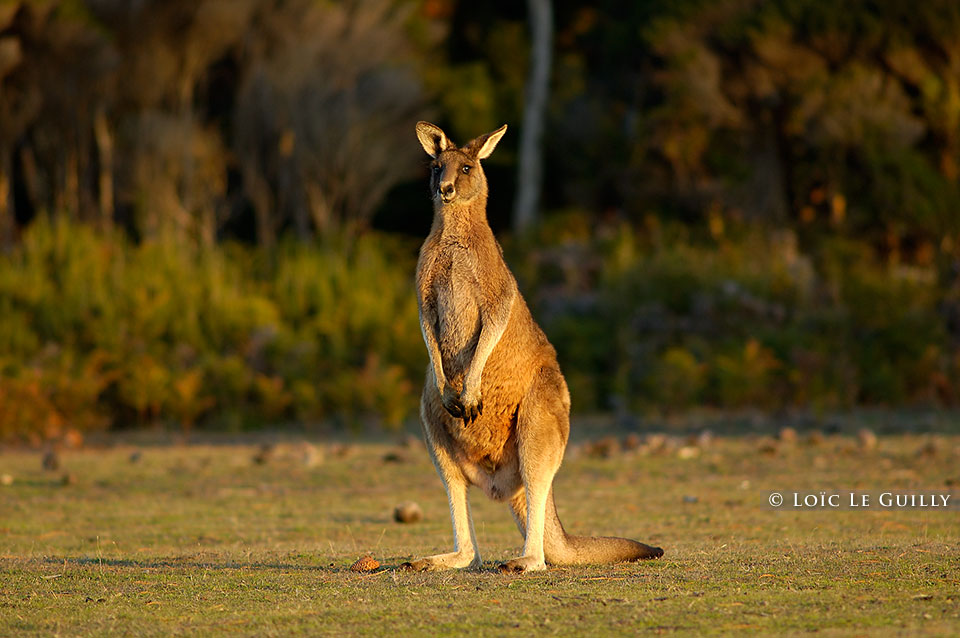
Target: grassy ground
203	540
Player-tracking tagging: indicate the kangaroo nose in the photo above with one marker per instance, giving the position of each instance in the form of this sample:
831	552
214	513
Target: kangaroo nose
446	189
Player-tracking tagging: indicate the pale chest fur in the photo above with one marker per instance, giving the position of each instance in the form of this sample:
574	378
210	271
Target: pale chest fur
455	290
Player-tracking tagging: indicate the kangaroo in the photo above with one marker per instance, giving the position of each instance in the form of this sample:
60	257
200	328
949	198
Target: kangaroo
495	406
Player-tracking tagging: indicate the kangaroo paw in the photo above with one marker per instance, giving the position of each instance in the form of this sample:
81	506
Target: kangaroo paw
442	561
522	564
472	406
452	404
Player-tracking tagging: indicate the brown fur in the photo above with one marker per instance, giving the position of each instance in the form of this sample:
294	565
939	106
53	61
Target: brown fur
495	406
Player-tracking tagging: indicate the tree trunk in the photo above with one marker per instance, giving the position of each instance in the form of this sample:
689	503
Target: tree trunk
70	197
104	139
86	198
187	167
6	201
530	165
290	199
259	193
37	198
320	209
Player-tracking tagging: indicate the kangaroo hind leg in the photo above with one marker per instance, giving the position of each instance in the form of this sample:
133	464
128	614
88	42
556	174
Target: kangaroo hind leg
542	430
466	552
555	545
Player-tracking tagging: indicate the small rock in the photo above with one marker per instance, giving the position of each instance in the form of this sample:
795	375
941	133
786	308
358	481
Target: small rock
264	454
72	438
6	479
657	442
787	435
393	457
690	499
341	450
408	512
704	439
929	449
365	564
68	479
632	442
769	447
135	456
815	438
51	461
688	452
604	448
867	439
310	455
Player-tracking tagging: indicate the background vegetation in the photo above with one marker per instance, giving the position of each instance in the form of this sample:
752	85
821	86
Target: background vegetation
209	211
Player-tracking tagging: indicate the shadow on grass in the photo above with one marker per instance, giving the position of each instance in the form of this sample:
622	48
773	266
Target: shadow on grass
177	563
394	564
57	482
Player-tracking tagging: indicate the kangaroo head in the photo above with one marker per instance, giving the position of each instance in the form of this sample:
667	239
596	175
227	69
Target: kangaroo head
455	173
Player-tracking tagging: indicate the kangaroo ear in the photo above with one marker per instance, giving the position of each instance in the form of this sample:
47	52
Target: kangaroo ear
432	138
483	146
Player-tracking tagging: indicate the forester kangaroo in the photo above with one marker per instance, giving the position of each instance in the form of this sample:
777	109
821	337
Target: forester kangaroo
495	407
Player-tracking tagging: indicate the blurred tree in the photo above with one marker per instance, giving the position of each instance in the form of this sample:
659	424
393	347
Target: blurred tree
48	98
828	108
175	176
189	116
113	106
13	113
530	161
323	113
785	111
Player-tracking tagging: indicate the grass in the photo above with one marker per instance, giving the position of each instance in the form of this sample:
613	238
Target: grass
202	540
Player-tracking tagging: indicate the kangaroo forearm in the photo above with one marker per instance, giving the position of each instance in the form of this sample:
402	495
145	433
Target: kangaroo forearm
433	350
488	341
491	331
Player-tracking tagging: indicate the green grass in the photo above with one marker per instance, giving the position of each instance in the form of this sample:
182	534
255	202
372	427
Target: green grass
200	540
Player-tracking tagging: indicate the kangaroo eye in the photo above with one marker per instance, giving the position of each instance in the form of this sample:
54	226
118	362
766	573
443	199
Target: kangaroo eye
466	169
436	169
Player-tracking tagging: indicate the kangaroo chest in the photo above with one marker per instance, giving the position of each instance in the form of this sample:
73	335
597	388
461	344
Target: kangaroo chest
455	291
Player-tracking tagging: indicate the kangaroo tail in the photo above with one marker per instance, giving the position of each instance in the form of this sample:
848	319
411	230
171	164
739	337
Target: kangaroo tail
560	548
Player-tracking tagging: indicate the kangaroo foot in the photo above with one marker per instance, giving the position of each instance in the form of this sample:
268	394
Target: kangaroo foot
443	561
522	564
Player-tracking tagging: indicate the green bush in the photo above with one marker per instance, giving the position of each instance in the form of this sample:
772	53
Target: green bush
671	317
96	330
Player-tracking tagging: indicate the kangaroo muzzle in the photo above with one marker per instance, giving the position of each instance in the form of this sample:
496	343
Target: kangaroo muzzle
447	191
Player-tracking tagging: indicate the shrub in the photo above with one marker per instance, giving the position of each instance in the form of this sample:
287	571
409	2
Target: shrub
98	330
670	318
